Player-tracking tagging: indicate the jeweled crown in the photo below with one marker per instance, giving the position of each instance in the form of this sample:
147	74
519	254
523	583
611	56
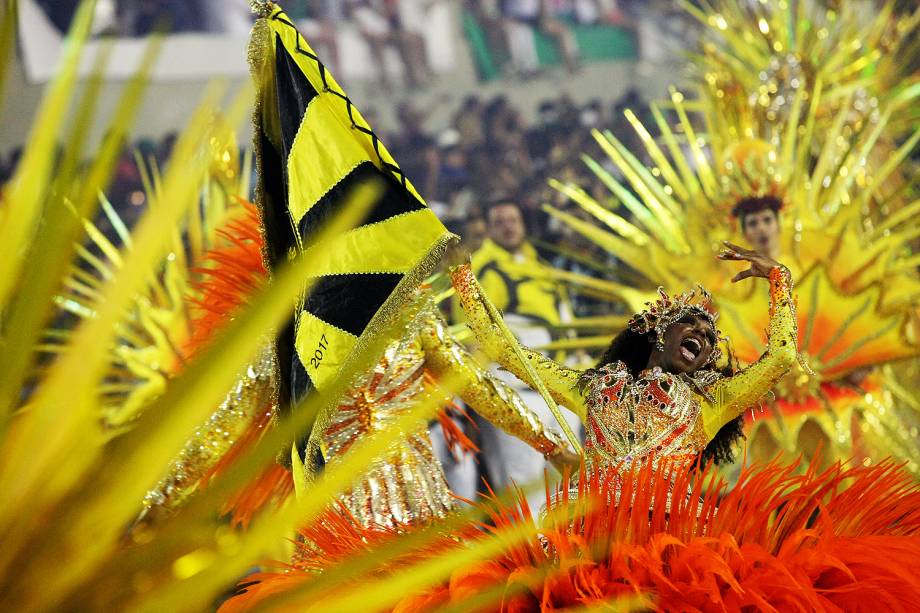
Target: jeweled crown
667	310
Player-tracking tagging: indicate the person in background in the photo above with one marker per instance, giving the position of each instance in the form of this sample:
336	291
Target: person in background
523	17
508	268
227	17
759	220
475	231
417	151
381	26
317	20
488	14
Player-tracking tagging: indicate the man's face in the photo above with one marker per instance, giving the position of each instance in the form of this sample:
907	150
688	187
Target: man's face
761	230
506	226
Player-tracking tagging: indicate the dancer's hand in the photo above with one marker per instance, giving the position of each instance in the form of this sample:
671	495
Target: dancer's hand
761	265
563	458
456	254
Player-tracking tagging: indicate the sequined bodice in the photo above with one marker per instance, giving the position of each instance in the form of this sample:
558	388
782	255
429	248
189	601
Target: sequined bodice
406	484
378	398
631	419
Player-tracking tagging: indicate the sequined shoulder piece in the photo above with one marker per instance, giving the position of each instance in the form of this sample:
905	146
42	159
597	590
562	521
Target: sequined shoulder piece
590	377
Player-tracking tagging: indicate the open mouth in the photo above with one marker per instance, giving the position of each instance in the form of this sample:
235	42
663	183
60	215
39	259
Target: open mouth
690	348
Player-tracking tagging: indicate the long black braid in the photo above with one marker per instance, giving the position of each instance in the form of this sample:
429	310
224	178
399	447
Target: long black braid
634	350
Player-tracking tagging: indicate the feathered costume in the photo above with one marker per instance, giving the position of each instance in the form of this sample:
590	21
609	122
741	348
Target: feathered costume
776	541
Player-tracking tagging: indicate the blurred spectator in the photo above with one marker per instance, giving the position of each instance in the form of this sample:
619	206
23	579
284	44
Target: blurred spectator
525	16
382	26
139	17
231	17
475	231
142	17
316	20
453	176
599	11
488	14
415	149
468	121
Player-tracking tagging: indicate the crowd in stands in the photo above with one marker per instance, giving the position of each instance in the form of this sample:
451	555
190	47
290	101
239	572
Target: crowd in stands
136	17
126	190
508	26
382	24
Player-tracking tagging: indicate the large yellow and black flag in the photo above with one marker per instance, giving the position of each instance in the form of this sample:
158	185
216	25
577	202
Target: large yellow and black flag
313	147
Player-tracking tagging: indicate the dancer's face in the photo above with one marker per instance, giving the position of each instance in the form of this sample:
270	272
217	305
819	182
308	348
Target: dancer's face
688	344
761	230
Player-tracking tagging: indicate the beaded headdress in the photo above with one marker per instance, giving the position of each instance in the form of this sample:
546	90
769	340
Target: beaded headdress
666	310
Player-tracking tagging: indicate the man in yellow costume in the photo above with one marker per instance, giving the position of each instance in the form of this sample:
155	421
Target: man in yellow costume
507	266
509	269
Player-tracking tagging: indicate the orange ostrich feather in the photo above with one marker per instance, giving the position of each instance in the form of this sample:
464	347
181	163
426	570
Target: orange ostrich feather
228	276
843	539
329	543
834	540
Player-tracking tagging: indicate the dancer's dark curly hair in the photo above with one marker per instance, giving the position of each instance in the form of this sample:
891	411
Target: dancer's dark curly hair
634	350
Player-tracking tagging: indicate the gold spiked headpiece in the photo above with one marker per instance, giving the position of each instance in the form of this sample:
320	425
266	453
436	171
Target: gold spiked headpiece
750	171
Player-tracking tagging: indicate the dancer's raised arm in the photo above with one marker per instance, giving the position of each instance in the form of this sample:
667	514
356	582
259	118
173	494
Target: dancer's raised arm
560	380
482	391
730	396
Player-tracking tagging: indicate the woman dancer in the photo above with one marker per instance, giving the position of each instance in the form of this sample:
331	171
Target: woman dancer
663	397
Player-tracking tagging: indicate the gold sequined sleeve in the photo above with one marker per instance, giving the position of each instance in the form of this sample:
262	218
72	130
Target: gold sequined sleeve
730	396
561	381
249	399
482	391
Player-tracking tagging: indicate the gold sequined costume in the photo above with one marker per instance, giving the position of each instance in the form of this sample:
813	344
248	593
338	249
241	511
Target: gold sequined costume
247	404
408	485
658	415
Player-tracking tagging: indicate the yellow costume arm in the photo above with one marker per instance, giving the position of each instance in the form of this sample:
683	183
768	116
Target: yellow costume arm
730	396
249	398
486	394
560	381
